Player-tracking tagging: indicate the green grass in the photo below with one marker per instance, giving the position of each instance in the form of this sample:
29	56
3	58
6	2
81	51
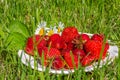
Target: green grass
90	16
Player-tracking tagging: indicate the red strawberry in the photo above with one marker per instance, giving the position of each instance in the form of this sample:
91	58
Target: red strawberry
63	51
70	45
94	48
58	63
98	37
29	46
87	60
63	45
69	33
80	40
41	42
33	41
55	41
49	53
53	53
105	50
71	60
79	52
85	37
55	37
43	52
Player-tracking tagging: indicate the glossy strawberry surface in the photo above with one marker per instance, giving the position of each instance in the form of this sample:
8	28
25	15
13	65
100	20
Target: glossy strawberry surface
98	37
58	63
71	60
95	48
69	33
33	42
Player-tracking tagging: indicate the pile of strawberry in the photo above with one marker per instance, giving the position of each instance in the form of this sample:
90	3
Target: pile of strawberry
69	49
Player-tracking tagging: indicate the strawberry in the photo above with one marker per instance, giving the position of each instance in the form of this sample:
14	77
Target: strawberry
94	48
98	37
80	40
53	53
58	63
41	42
33	41
63	51
49	53
43	52
105	50
87	60
55	37
71	60
63	45
70	45
83	37
29	46
79	52
55	41
69	33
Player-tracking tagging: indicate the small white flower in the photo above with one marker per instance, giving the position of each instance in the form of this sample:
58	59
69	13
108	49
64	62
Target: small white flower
55	29
61	25
41	27
42	24
47	30
50	31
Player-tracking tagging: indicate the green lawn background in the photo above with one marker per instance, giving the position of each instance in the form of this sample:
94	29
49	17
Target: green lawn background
90	16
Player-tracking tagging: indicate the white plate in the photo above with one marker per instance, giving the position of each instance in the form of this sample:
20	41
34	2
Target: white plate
27	59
